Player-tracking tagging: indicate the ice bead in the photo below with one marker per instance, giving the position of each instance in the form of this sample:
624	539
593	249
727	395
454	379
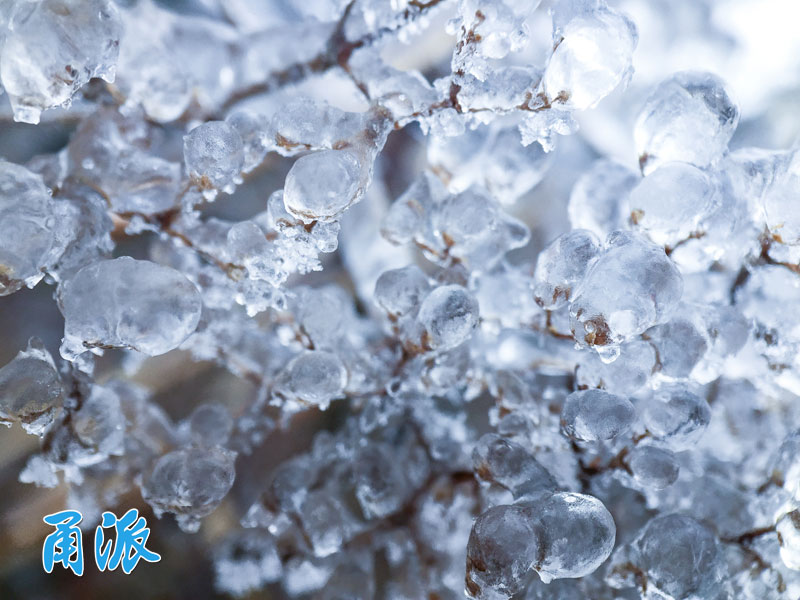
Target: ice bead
322	185
671	201
503	544
313	377
689	117
577	535
190	483
676	415
54	47
127	303
592	415
562	265
502	462
448	315
652	467
680	557
632	286
401	291
592	58
29	236
30	389
214	154
683	341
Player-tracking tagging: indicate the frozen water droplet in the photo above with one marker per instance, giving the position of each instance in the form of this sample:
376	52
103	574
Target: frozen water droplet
652	467
214	154
448	316
127	303
323	184
592	415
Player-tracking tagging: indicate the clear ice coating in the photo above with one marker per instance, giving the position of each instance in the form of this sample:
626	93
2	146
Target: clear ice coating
632	286
689	117
671	201
477	309
30	237
51	48
593	55
127	303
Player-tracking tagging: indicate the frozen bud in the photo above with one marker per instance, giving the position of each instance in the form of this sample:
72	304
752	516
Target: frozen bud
577	535
502	462
503	544
52	48
448	315
680	557
599	198
632	286
400	291
592	415
593	57
314	377
380	484
788	528
190	483
562	265
652	467
676	415
214	154
324	521
127	303
28	235
689	117
780	203
30	389
671	201
322	185
210	425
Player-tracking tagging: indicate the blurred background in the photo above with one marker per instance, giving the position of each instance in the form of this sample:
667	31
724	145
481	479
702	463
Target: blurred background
751	44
